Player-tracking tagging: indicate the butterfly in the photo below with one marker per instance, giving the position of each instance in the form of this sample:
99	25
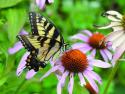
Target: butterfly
43	43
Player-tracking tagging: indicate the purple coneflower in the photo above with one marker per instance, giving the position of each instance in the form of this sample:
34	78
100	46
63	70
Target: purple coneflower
41	3
74	62
93	42
22	65
117	37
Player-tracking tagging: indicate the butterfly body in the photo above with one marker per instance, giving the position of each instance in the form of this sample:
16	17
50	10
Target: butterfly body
44	42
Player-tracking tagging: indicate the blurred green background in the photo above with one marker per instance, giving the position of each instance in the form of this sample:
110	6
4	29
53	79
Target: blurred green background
70	16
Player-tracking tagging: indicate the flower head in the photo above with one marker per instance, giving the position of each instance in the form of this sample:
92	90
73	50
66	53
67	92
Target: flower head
41	3
74	62
93	42
117	37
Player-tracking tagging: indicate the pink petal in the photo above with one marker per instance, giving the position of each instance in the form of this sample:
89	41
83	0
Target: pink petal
93	53
30	74
90	67
71	83
22	64
23	32
99	63
104	55
53	69
91	81
94	76
85	49
41	3
59	88
118	53
65	74
79	45
108	53
82	80
61	82
89	33
18	46
50	1
80	37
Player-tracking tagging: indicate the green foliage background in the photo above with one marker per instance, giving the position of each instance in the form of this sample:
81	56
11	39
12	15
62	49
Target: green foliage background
70	16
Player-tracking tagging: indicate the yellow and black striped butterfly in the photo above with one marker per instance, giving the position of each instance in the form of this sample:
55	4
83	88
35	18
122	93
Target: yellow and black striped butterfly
44	42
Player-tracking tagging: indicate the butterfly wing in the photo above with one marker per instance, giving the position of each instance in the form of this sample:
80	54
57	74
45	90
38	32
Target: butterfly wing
44	42
41	49
43	27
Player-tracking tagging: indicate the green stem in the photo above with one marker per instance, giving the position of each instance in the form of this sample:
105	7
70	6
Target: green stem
112	74
19	87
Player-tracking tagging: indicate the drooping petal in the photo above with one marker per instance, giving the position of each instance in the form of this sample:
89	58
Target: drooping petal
118	53
80	37
93	53
113	15
41	3
22	64
117	28
65	74
94	76
61	82
104	55
30	74
108	53
87	32
82	80
71	83
118	41
53	69
99	63
91	81
113	35
112	24
59	88
18	46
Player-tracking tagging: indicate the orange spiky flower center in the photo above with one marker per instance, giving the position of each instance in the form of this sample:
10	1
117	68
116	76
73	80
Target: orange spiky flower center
97	41
74	61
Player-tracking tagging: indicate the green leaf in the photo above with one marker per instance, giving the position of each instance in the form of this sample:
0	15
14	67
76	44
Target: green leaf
16	18
8	3
3	80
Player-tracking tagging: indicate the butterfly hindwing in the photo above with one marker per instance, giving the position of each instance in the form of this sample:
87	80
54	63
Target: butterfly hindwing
34	63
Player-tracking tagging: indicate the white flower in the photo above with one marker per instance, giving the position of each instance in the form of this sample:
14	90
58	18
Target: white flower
117	37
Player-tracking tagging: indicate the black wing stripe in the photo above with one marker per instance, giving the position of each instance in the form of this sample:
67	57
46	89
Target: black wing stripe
26	43
48	29
42	41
